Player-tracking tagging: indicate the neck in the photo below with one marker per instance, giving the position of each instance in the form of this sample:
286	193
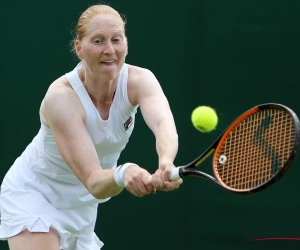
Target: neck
107	100
99	91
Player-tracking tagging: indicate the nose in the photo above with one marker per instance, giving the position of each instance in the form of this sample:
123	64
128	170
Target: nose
109	49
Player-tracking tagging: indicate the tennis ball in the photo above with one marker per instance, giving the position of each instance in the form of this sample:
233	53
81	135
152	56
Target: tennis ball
204	119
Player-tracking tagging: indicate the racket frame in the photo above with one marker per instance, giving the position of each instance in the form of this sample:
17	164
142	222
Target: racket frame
189	169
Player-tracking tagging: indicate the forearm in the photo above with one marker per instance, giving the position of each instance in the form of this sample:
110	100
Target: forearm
166	141
102	184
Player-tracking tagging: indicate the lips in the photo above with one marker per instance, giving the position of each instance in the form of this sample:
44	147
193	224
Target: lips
108	61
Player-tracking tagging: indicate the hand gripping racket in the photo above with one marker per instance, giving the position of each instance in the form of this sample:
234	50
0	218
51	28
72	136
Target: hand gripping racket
253	152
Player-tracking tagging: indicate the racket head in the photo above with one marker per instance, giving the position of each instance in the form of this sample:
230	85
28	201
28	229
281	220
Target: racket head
257	148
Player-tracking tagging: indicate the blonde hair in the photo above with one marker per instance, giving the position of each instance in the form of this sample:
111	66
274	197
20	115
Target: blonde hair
88	15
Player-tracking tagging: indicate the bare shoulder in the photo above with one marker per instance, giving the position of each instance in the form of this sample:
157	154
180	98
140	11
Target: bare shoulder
59	91
60	95
137	74
138	81
142	84
60	86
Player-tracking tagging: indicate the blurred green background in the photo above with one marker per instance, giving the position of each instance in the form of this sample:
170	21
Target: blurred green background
228	54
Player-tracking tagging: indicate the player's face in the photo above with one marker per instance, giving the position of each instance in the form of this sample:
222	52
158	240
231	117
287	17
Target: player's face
104	47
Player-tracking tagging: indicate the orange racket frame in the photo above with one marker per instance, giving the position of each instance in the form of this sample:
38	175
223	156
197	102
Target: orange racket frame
260	144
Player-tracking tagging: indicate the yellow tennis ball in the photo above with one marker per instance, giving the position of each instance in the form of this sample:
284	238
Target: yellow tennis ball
204	119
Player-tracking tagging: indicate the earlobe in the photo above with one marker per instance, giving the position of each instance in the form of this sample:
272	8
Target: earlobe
78	49
79	55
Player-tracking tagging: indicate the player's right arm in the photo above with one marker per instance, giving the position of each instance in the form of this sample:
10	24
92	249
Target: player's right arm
63	113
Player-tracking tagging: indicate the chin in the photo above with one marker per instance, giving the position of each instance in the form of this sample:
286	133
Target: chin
112	70
109	74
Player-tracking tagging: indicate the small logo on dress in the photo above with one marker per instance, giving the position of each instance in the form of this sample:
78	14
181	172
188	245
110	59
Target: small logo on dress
128	123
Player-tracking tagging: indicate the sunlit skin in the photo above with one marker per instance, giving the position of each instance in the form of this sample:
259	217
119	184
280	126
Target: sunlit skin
103	50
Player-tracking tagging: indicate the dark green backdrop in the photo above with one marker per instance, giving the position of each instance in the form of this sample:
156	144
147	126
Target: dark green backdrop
230	55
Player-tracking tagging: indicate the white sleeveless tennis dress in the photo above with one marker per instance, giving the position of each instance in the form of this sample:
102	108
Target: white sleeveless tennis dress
40	191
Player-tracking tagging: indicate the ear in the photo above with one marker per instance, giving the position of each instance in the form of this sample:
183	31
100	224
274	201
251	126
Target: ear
127	47
78	49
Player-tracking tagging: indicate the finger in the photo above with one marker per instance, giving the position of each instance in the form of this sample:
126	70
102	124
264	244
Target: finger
147	180
155	179
171	185
166	174
153	191
132	191
141	186
157	182
133	188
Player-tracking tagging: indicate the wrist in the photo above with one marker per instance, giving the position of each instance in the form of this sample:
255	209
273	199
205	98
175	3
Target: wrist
165	160
119	173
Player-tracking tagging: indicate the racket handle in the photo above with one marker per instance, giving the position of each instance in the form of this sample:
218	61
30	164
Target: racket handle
175	174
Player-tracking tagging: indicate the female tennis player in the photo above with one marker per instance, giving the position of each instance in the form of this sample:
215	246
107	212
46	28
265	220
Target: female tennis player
50	194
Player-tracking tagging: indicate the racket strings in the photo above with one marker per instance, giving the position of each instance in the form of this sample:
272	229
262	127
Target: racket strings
256	149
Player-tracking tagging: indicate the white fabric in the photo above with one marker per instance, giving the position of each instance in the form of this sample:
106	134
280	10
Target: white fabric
40	191
119	173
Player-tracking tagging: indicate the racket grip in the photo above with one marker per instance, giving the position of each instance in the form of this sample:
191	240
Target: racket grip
175	174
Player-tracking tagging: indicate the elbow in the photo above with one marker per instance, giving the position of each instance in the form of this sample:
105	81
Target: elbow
104	195
100	196
101	184
103	192
98	192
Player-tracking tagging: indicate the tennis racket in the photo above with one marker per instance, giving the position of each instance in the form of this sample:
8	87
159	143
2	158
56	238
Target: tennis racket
253	152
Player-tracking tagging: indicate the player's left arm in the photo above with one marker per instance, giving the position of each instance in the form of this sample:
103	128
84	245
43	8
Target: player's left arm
157	114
